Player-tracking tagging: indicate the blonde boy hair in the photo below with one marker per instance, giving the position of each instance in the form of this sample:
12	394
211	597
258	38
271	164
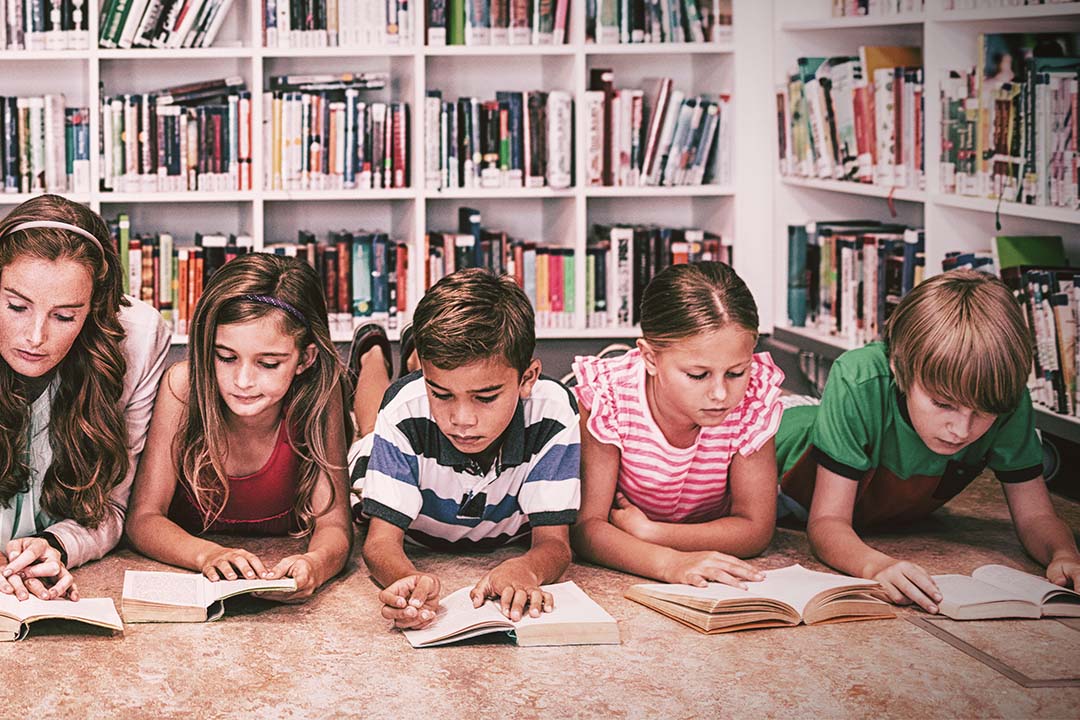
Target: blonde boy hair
962	336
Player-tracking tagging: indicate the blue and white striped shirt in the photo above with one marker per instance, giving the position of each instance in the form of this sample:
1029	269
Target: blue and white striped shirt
417	480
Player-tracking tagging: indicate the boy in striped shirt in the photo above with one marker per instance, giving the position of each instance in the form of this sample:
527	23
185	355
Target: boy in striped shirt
475	451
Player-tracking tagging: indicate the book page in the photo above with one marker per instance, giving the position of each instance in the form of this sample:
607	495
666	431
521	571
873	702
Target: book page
98	611
962	590
793	585
1018	583
456	616
572	605
164	588
222	589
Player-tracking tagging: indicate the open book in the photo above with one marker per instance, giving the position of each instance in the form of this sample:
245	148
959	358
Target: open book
185	597
16	615
576	620
785	597
996	591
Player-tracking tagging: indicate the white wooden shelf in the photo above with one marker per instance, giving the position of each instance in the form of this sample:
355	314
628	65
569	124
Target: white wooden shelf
339	52
1007	13
588	333
660	192
498	50
359	195
42	55
498	193
177	197
988	205
17	198
854	188
812	340
1065	426
212	53
857	22
718	48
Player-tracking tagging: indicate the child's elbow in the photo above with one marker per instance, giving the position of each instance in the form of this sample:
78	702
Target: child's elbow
758	542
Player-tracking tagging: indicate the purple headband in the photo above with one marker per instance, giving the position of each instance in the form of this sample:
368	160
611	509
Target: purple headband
279	304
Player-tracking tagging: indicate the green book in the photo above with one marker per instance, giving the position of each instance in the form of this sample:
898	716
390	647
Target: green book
455	22
1038	250
124	224
569	298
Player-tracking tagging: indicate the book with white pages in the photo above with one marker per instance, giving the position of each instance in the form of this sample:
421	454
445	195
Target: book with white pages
997	591
151	596
576	620
16	615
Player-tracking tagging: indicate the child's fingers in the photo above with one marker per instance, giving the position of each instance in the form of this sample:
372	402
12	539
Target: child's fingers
479	592
243	567
256	564
518	599
549	602
426	586
924	582
389	597
38	589
18	587
727	578
44	569
281	569
742	569
211	573
912	591
19	560
64	584
536	602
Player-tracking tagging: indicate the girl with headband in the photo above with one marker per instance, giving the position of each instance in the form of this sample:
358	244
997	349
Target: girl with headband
248	435
79	368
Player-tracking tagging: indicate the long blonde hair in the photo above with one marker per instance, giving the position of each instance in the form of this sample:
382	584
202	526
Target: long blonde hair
87	431
202	442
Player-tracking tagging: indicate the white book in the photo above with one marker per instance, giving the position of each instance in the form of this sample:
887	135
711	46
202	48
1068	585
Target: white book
132	22
997	591
16	615
560	118
576	620
185	597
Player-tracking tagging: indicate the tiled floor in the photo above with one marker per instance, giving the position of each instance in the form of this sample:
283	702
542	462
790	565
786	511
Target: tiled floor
335	656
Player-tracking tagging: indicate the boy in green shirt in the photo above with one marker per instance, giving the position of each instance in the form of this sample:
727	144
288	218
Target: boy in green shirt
905	425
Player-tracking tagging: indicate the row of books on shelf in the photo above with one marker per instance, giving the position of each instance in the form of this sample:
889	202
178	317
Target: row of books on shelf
319	135
654	136
496	22
983	4
857	118
196	137
846	277
1036	269
1009	125
519	139
621	259
335	23
161	23
658	21
876	8
43	25
44	145
360	271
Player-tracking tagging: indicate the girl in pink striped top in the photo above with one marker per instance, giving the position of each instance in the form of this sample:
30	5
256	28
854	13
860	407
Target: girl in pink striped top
678	459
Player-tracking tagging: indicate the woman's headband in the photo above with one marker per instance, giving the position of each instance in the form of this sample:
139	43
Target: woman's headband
59	226
279	304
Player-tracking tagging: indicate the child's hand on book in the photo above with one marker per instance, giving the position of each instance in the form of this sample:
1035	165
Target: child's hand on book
629	518
701	568
302	569
905	583
1064	570
34	567
516	585
233	564
411	602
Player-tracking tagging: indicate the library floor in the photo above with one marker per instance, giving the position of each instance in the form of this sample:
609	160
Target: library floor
335	656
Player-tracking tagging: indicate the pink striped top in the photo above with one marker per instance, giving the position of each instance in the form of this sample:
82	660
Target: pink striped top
667	483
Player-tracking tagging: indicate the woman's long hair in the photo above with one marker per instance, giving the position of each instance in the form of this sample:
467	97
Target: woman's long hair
87	430
202	442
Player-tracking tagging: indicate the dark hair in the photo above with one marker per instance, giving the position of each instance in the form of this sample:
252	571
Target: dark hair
473	315
692	298
87	431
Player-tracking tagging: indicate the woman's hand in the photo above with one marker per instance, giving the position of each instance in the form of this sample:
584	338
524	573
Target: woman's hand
34	567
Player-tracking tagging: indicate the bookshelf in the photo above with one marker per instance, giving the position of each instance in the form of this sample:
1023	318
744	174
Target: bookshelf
552	216
949	40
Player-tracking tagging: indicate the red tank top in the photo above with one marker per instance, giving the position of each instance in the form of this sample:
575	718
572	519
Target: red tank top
259	504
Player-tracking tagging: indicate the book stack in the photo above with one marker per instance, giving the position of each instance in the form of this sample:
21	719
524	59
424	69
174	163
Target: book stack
878	8
44	25
194	137
620	260
660	21
654	136
161	23
44	146
365	275
319	135
845	278
519	139
1009	125
335	23
858	119
497	22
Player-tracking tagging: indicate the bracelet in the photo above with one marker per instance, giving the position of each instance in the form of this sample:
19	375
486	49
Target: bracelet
55	543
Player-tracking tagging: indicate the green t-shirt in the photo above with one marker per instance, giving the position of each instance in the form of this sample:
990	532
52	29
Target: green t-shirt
861	430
